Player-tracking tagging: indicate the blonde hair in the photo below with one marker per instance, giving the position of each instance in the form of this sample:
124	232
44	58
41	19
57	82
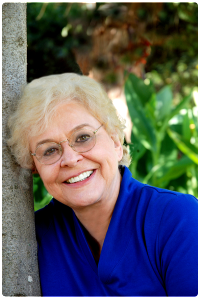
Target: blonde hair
38	105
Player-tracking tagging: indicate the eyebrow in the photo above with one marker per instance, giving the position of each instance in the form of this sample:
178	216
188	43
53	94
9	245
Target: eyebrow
70	133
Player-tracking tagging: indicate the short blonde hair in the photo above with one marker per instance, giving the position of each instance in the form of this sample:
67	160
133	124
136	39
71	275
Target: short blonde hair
38	104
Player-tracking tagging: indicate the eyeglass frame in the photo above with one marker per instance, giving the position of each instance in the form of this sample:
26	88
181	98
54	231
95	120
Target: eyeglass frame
59	144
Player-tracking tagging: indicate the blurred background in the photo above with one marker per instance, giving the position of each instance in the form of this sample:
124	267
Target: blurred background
145	55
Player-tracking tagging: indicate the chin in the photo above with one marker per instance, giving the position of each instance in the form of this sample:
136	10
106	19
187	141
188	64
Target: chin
81	203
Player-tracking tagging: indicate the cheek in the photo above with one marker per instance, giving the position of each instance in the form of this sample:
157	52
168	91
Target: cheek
108	157
49	182
47	175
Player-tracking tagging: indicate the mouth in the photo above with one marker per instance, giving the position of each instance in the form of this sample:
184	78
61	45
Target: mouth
80	177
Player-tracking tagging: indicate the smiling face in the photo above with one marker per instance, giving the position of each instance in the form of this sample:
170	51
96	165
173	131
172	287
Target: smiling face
80	179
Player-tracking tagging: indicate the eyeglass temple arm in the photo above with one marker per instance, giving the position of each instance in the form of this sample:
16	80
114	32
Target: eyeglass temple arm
97	129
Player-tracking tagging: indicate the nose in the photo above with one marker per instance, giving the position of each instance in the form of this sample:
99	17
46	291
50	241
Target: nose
70	157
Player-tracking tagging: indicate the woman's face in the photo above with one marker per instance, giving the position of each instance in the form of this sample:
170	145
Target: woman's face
101	160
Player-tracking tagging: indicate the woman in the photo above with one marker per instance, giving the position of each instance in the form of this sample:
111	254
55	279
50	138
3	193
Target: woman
104	233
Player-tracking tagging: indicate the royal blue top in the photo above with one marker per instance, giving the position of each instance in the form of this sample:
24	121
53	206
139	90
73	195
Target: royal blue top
150	248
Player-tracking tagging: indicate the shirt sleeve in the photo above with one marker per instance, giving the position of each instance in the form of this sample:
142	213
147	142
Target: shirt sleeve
177	245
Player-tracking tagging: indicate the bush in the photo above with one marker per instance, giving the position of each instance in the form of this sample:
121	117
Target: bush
164	137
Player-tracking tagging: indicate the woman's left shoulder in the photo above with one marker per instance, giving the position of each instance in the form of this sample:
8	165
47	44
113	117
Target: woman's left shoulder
149	196
171	200
171	207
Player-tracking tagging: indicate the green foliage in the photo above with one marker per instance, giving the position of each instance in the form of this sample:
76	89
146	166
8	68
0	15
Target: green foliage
164	138
49	38
41	196
174	57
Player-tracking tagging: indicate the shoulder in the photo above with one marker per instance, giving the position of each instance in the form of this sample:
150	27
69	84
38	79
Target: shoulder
151	196
170	201
154	209
169	212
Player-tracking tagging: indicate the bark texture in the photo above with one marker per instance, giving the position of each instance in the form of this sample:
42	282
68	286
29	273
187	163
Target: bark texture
19	252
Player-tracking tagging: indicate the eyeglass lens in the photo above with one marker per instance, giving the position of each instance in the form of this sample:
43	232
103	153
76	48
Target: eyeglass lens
81	141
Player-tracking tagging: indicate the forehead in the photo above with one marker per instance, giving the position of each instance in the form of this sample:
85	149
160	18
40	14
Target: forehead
67	118
72	114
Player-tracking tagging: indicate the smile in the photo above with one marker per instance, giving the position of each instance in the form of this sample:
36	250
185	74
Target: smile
80	177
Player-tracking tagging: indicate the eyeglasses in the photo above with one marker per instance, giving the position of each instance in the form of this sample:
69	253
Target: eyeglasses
80	141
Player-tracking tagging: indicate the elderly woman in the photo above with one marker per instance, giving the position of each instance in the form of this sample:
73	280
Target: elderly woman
104	233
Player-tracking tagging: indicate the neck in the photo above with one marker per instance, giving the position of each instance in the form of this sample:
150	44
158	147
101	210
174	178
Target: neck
96	217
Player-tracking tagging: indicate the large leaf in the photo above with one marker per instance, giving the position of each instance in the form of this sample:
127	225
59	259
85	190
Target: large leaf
181	105
43	202
150	109
184	145
163	103
173	169
186	126
137	150
142	90
39	189
142	125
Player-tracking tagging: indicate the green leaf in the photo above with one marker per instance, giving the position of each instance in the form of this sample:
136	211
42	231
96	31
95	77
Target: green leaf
150	108
186	126
173	169
43	202
142	90
184	145
163	103
186	15
137	150
181	105
142	126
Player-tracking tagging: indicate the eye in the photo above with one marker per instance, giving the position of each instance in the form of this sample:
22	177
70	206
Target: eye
51	151
83	138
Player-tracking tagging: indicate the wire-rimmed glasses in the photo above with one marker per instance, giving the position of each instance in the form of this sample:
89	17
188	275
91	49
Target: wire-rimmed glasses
80	141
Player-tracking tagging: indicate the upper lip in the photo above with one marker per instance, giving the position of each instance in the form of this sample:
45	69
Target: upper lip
77	174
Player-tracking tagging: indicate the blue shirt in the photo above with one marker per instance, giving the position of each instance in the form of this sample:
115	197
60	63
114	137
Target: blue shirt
150	248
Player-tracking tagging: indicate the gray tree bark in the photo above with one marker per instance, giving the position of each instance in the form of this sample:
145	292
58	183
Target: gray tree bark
19	253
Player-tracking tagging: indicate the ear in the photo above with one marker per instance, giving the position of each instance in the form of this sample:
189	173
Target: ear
118	146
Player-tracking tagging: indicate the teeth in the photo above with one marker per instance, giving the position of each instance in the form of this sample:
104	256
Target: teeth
80	177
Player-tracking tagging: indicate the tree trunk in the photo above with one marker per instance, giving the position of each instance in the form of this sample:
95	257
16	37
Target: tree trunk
20	266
